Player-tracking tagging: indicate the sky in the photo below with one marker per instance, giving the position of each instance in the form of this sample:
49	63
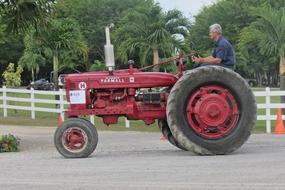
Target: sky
190	8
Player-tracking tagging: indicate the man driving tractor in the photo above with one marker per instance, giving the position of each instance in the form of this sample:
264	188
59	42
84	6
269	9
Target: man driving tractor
223	54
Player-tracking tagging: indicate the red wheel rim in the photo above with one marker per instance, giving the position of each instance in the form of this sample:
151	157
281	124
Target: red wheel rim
212	111
74	139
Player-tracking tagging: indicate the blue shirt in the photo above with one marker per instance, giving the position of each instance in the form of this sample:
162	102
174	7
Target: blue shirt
225	51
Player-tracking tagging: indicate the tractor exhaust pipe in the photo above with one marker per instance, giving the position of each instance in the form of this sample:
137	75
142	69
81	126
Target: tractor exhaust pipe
109	50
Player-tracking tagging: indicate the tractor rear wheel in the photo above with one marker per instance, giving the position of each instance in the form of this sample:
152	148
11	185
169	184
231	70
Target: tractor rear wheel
76	138
215	111
163	126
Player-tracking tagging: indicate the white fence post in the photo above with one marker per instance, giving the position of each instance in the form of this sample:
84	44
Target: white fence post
33	112
267	102
5	101
61	99
92	119
127	123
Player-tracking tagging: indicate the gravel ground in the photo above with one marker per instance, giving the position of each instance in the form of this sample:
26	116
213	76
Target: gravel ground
129	160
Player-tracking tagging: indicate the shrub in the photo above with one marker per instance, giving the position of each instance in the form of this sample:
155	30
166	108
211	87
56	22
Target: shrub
9	143
12	77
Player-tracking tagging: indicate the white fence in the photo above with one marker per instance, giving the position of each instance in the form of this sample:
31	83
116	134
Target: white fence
32	100
268	105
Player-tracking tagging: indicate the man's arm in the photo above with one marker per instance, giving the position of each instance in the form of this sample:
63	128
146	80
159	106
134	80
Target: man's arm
207	60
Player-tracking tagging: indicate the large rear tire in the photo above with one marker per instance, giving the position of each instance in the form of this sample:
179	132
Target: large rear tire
163	126
76	138
215	111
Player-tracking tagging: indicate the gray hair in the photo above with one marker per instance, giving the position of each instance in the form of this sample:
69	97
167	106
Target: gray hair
216	28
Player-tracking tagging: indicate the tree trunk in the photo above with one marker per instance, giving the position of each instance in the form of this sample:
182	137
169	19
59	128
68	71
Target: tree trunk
33	75
55	70
282	72
155	59
268	78
55	75
155	56
282	78
259	79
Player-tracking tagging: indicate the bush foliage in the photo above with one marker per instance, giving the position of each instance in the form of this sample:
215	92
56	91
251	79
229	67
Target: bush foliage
9	143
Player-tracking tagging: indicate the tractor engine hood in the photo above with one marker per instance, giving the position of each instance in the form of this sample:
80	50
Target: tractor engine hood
119	79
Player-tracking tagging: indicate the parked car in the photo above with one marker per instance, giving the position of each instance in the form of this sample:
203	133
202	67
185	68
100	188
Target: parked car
251	82
41	84
61	80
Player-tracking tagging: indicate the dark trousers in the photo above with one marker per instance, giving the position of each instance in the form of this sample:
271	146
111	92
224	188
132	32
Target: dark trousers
196	65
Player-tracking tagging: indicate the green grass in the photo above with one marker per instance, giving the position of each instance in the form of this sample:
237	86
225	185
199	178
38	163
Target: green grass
18	117
53	121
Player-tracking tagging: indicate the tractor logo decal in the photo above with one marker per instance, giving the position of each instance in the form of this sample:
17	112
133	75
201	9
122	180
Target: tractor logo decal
112	80
82	85
132	79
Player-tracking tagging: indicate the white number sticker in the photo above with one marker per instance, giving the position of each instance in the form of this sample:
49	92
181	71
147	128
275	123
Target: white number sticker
77	97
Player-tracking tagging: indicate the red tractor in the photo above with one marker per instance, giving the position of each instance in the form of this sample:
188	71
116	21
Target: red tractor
208	110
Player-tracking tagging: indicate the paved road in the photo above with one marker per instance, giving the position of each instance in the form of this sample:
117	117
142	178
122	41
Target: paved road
139	161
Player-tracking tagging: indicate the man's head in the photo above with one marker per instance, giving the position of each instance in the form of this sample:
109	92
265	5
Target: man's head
215	31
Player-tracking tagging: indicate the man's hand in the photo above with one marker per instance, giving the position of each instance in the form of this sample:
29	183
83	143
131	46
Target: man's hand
197	59
206	60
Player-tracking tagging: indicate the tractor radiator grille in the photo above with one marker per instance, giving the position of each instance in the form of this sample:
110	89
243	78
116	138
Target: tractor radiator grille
151	97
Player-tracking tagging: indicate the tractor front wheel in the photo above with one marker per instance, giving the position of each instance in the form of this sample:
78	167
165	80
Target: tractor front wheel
76	138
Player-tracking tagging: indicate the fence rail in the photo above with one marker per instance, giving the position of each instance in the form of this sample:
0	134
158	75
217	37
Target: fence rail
268	106
5	98
32	100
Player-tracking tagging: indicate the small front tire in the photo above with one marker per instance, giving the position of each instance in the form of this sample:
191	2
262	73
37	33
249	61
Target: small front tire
76	138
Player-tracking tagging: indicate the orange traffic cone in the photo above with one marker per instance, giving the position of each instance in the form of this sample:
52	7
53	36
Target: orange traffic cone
162	138
59	120
279	129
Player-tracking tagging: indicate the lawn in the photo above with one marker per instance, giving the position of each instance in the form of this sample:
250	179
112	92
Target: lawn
18	117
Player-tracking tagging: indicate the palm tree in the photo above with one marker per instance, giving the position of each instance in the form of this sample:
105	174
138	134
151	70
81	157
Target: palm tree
32	58
268	35
32	62
61	36
149	32
21	14
61	42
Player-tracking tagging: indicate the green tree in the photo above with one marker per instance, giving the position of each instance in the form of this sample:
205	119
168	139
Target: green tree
20	15
17	17
11	50
253	64
267	34
233	15
93	16
155	34
11	77
97	66
61	41
2	33
32	58
232	22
